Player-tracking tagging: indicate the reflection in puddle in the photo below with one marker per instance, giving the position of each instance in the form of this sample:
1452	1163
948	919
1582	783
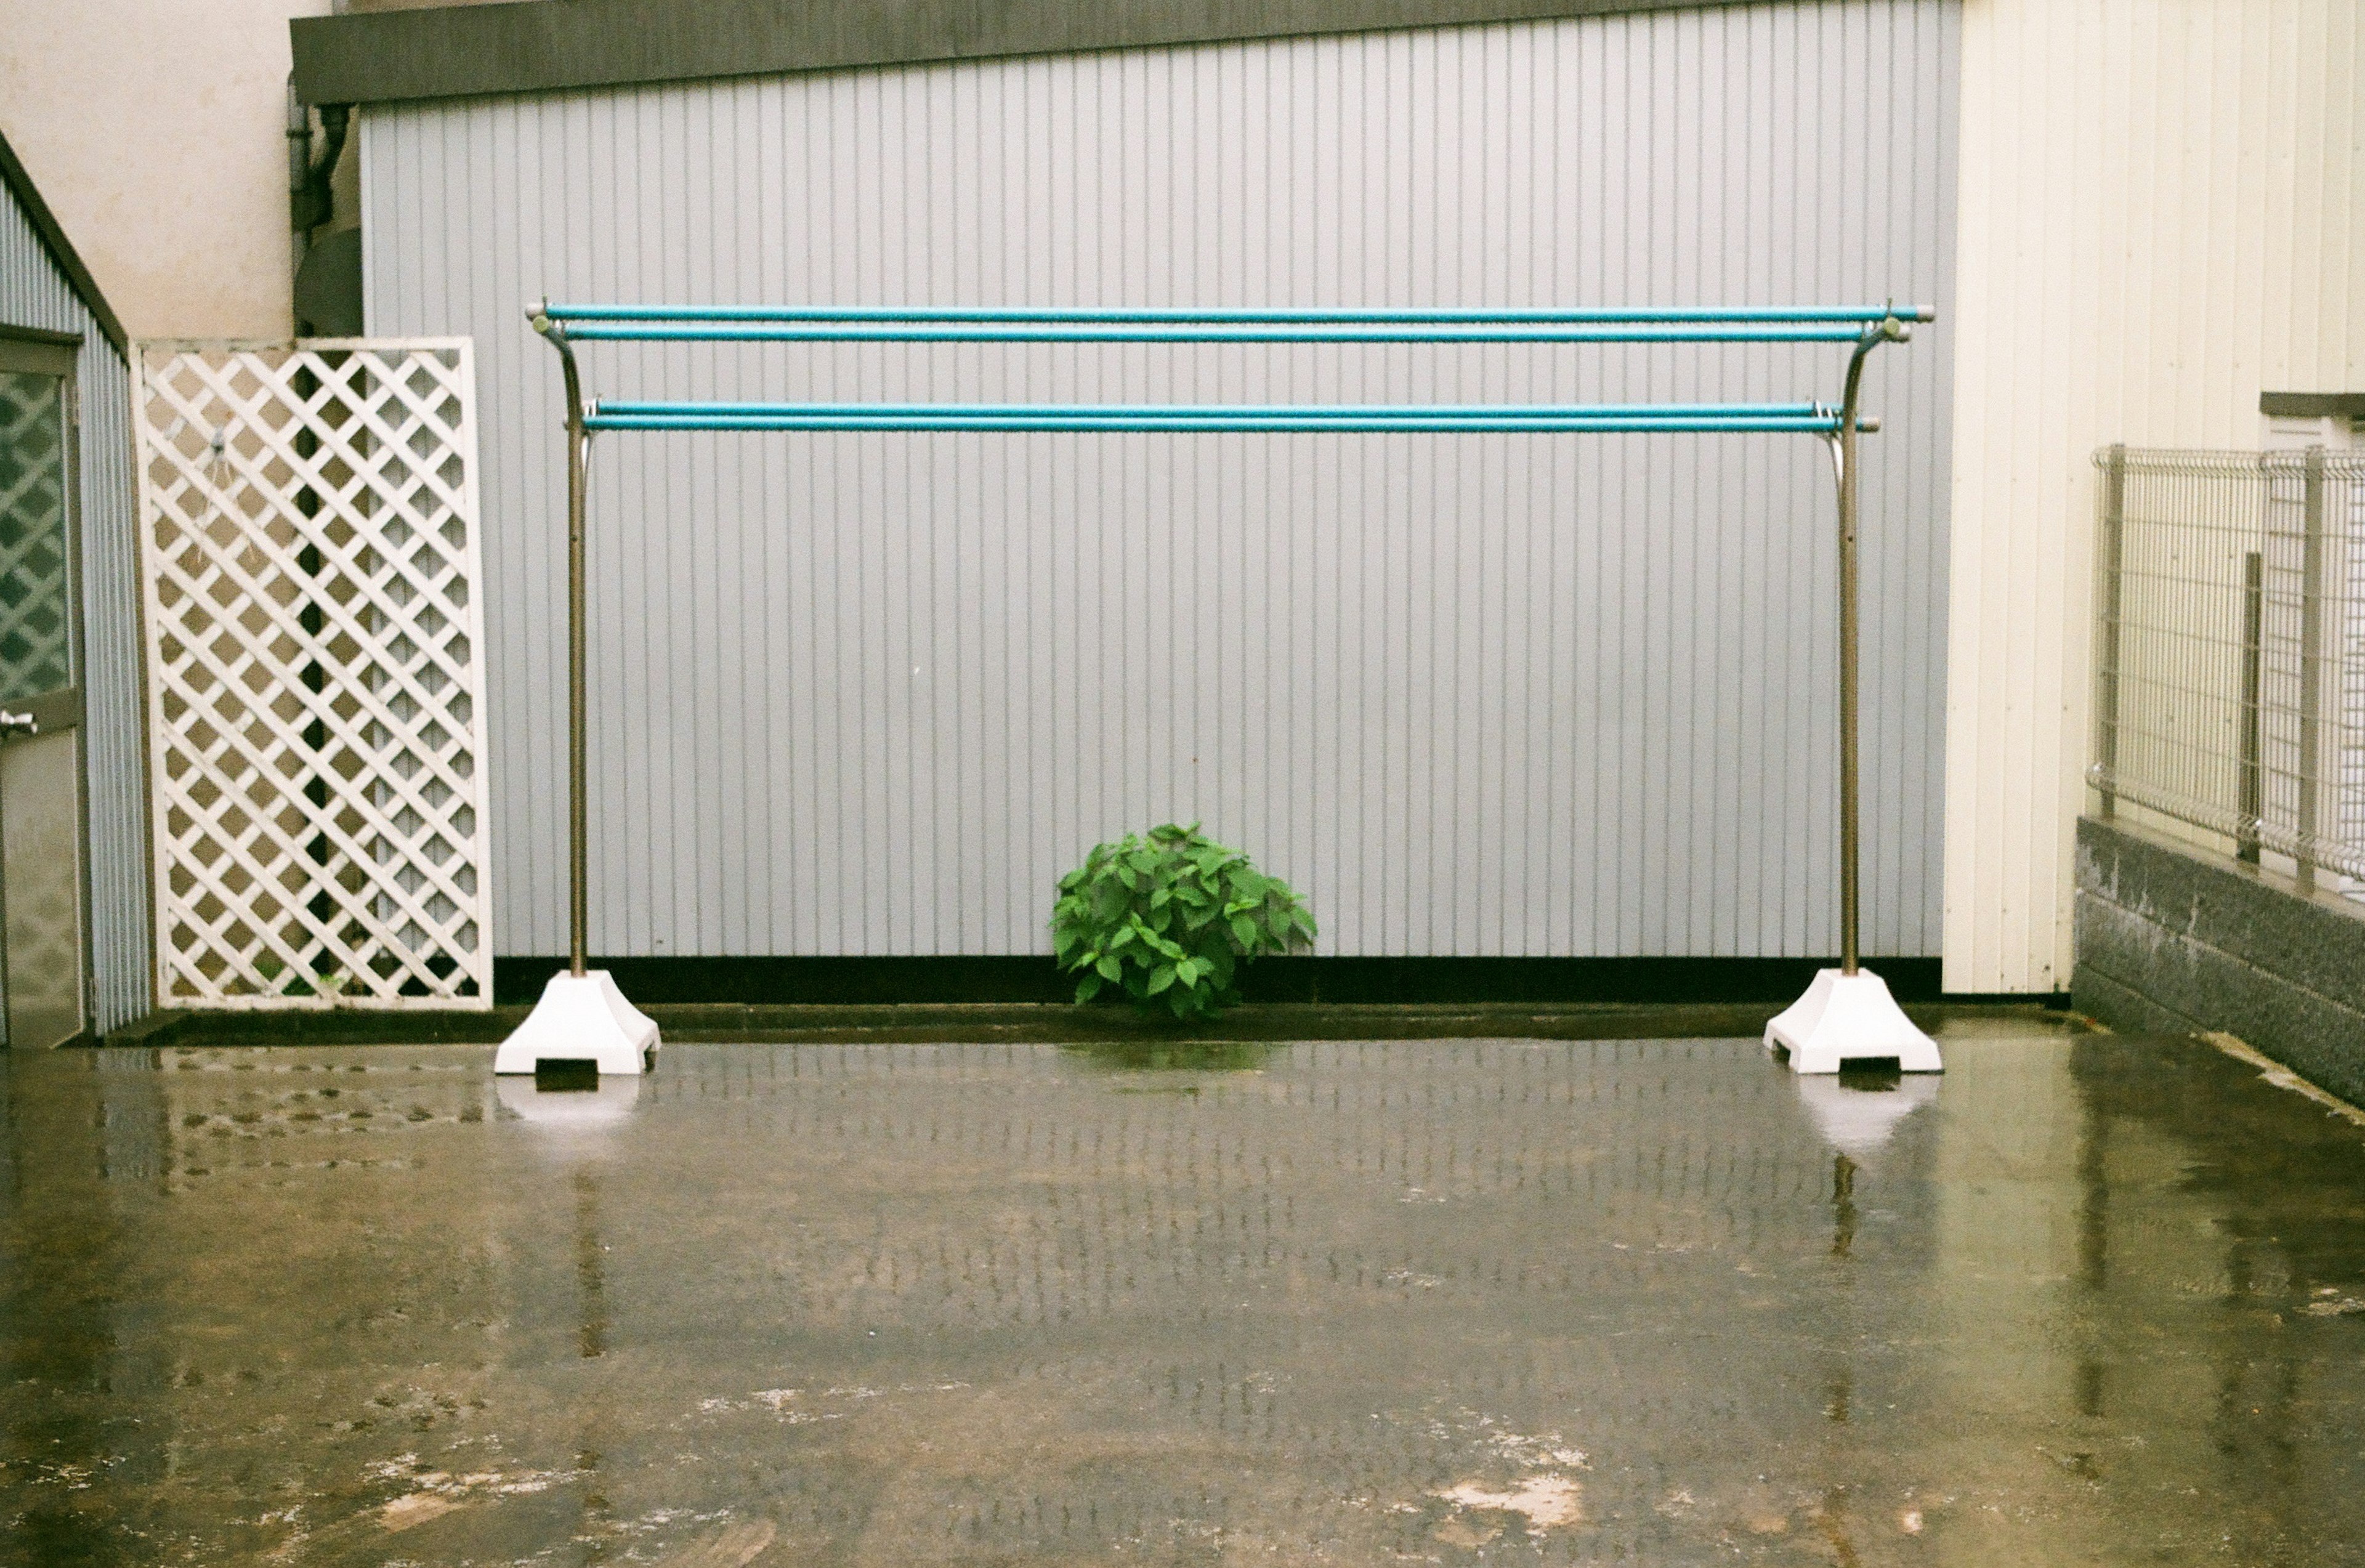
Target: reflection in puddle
1857	1113
568	1103
590	1270
1157	1056
1843	1172
2096	1303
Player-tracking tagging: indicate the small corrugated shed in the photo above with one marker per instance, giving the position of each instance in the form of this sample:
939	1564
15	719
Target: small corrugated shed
44	288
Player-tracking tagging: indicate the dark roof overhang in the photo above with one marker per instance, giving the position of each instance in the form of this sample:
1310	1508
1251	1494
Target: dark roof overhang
533	46
61	251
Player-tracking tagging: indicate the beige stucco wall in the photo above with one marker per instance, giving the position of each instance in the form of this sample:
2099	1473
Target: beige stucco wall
155	130
2163	214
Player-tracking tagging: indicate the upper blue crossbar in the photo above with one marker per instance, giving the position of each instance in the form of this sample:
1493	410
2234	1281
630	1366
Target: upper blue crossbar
750	323
1861	324
1860	314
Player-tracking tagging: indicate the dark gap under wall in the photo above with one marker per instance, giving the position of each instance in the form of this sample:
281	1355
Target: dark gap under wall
1032	978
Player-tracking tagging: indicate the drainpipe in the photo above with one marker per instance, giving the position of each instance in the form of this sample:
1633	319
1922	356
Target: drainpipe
299	165
310	201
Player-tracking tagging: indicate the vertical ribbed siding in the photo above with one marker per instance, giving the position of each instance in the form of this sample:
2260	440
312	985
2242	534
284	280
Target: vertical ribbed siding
2160	220
34	293
1477	695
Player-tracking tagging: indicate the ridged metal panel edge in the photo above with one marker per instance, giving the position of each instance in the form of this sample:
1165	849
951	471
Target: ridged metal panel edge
464	202
35	291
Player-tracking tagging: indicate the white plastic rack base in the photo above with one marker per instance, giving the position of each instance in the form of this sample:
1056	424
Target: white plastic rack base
1850	1017
582	1018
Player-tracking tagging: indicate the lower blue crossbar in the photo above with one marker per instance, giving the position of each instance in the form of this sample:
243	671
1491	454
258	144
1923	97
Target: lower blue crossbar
1211	332
1508	419
1857	316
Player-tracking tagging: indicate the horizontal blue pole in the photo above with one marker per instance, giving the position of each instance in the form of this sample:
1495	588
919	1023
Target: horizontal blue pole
1152	421
1206	412
1032	331
951	315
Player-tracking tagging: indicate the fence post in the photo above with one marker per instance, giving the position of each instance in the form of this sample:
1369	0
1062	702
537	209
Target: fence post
2114	552
2252	801
2310	665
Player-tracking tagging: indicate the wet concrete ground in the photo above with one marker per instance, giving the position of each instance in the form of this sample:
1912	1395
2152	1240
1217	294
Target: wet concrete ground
2086	1300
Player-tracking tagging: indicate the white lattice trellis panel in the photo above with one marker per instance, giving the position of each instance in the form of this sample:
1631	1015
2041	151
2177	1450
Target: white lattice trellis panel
315	673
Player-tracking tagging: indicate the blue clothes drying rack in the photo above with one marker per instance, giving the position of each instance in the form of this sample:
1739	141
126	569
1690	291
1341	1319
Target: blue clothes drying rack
1864	327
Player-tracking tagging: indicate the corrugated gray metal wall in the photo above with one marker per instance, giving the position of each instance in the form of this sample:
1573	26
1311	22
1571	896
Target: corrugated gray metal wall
1486	695
34	293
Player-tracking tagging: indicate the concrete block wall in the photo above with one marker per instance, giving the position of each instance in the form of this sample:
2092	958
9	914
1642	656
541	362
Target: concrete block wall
2170	940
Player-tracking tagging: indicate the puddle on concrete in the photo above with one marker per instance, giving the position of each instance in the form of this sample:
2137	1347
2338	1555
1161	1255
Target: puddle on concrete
2088	1300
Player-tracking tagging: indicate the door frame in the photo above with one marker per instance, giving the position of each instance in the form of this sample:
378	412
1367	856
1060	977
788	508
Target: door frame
40	351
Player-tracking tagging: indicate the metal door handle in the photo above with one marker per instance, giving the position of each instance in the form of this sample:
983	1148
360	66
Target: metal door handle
18	723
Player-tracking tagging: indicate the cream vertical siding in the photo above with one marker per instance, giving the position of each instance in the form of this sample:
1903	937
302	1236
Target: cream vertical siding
1477	695
2160	218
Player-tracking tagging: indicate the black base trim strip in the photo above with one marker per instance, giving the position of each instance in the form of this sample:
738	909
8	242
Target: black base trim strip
850	982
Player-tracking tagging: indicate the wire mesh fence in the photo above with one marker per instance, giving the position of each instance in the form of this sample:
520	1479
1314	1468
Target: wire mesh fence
2230	647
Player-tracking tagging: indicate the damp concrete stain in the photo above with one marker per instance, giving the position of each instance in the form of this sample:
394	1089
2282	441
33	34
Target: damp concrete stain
1546	1501
413	1508
732	1545
2095	1300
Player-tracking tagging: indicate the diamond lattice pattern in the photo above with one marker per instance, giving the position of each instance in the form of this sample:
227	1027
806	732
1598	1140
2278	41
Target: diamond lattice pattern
36	655
316	675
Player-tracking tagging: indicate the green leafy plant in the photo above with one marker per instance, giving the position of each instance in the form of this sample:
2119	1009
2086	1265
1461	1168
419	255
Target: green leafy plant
296	983
1169	917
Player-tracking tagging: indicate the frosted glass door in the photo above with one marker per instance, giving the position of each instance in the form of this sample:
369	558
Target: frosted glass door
43	967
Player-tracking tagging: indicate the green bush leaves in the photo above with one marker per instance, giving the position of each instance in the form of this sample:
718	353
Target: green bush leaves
1169	916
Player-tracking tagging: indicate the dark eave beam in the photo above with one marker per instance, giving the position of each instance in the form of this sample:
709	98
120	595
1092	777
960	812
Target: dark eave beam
535	46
